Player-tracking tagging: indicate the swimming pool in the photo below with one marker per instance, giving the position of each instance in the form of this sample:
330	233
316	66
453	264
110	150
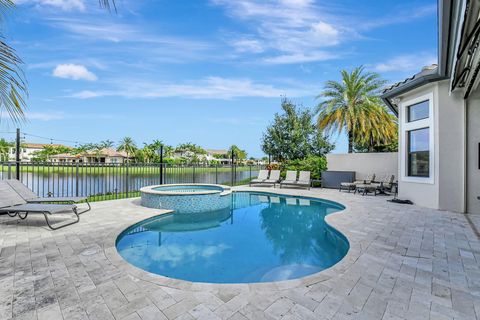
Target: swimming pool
260	237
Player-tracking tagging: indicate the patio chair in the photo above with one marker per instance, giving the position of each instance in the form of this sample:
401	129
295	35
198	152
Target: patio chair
274	178
262	176
385	185
304	179
12	204
30	197
349	186
290	179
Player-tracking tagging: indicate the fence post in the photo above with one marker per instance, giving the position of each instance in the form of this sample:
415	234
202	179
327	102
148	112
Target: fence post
161	164
250	167
216	173
17	155
9	170
126	179
76	180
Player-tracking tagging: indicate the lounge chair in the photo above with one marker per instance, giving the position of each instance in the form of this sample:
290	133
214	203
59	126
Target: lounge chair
304	179
262	176
30	197
12	204
274	178
290	179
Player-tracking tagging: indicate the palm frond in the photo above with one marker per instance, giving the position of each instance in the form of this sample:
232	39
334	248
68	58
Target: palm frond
108	4
13	88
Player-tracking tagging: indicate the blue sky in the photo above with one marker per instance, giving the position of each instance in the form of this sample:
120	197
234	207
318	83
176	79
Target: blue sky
211	72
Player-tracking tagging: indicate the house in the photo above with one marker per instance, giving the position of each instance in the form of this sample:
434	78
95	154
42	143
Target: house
439	117
218	155
27	150
106	155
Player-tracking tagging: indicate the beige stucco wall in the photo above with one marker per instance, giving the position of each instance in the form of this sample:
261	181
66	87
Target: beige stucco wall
364	164
473	140
446	190
451	149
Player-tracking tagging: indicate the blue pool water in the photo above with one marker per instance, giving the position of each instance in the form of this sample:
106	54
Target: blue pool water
260	238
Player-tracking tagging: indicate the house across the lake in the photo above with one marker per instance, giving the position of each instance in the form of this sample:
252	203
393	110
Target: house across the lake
439	117
107	155
27	150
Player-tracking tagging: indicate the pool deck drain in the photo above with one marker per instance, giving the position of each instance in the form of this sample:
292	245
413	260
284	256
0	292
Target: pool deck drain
405	262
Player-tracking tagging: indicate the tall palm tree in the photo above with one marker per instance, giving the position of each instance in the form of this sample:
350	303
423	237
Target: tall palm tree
13	86
127	145
352	104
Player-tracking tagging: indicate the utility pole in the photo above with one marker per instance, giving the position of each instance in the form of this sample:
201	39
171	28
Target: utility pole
17	155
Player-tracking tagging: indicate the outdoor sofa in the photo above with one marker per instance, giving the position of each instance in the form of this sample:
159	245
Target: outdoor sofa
377	187
352	186
31	197
12	204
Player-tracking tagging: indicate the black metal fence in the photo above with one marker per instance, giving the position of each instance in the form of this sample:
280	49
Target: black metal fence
102	181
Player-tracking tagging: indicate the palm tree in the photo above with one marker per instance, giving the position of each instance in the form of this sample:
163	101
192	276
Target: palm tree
353	105
13	86
4	149
127	145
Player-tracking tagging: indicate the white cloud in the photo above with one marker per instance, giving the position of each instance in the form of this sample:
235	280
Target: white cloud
66	5
300	58
406	63
44	116
74	72
206	88
285	29
247	45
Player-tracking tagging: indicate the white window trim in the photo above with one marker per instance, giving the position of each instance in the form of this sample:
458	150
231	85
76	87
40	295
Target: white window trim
419	124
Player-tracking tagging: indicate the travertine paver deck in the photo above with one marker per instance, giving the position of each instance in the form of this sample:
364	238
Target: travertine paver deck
405	262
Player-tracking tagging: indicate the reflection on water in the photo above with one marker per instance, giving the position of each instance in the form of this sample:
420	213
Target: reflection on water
260	238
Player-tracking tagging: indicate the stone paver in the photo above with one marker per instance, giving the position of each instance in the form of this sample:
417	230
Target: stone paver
405	262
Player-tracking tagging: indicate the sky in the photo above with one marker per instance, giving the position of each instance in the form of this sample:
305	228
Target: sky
210	72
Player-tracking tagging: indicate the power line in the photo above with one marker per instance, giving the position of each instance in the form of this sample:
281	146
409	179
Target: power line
52	139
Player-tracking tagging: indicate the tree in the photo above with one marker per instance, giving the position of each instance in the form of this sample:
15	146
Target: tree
191	152
48	151
237	152
293	135
127	145
4	149
354	105
13	86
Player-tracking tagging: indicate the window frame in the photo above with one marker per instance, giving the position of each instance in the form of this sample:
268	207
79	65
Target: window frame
408	126
412	105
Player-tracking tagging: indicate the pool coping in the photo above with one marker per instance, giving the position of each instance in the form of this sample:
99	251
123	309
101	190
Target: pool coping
150	189
354	252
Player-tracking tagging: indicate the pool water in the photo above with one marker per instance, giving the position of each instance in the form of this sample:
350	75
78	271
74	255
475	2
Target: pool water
260	238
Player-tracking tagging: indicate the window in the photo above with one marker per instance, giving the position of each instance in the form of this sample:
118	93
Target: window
418	145
418	111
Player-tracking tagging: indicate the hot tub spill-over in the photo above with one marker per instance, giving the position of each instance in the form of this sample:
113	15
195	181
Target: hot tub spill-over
218	236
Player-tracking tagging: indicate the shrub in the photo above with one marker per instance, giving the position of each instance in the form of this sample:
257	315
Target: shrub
315	164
